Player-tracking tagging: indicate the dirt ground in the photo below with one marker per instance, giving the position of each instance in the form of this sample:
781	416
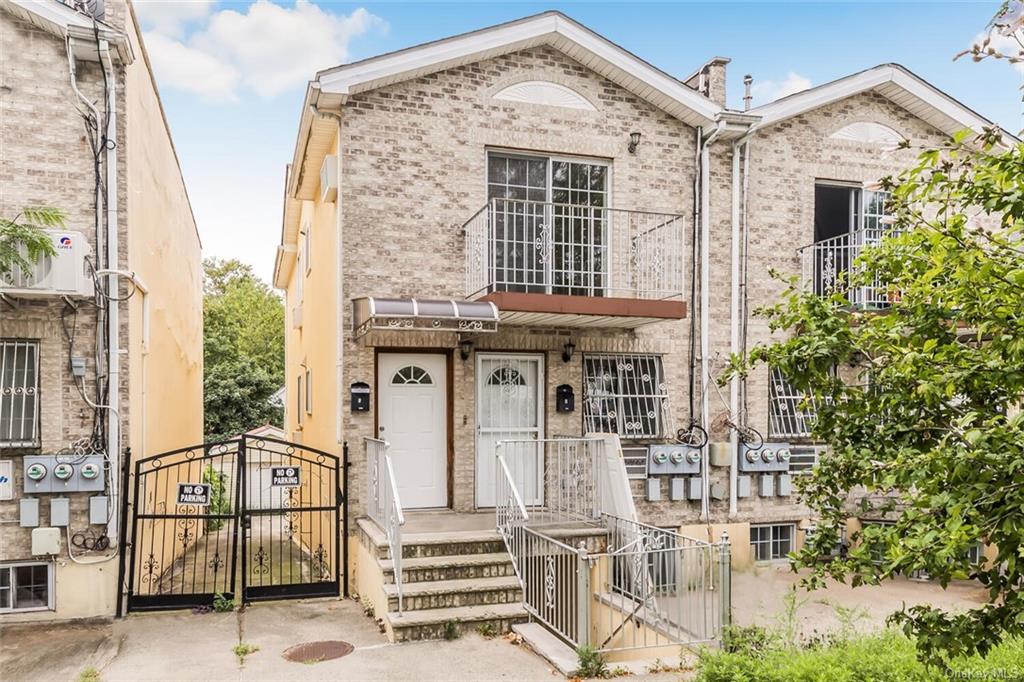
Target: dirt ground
182	645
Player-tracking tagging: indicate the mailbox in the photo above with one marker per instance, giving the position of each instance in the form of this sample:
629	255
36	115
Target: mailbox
565	399
360	392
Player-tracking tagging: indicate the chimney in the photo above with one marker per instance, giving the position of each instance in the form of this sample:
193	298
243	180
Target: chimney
714	79
747	97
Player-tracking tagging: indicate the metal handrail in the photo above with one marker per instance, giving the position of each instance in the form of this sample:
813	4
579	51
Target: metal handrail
385	505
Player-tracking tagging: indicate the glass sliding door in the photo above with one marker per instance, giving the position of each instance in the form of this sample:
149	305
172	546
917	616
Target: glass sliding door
550	224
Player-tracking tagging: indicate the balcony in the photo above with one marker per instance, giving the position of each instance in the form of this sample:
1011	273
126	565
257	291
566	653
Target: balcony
829	266
544	263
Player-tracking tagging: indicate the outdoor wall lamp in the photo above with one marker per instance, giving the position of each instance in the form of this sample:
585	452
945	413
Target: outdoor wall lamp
465	348
634	142
567	350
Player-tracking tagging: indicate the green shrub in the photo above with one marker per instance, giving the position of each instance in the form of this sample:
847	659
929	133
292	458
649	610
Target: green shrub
223	603
590	663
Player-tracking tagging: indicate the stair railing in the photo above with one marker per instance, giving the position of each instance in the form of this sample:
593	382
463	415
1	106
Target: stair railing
385	507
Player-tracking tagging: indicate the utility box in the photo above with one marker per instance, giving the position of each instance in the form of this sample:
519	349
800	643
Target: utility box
45	541
717	491
766	485
60	512
694	491
673	459
654	490
785	485
743	486
98	509
28	512
769	457
720	454
677	489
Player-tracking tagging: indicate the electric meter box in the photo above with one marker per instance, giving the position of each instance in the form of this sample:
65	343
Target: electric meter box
38	474
45	541
64	474
60	511
89	476
673	459
769	457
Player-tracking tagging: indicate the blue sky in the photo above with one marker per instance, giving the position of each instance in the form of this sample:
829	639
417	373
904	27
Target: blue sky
232	74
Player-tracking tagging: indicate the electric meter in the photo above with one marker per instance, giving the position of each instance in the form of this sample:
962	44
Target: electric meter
63	471
767	455
784	455
693	456
677	457
90	471
660	458
35	472
751	456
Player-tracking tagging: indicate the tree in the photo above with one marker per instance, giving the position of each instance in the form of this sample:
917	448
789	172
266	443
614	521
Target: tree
243	351
919	404
23	240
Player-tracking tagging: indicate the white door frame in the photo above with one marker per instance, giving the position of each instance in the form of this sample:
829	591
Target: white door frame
383	384
480	430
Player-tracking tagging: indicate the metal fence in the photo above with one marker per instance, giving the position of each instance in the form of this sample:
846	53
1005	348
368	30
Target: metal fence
384	505
542	247
830	266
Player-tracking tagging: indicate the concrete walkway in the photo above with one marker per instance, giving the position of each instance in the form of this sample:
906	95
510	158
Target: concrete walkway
185	646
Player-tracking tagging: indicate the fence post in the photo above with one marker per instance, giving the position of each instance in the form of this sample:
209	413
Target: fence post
582	595
725	579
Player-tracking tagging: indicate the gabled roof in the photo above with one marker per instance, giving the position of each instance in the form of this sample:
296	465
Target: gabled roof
893	81
62	21
549	28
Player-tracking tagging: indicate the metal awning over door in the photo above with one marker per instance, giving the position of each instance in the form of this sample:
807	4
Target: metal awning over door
411	314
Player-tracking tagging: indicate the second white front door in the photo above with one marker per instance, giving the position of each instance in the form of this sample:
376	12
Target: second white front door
413	420
510	407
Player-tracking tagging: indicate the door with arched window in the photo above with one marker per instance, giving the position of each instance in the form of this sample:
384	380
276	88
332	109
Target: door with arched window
413	420
510	407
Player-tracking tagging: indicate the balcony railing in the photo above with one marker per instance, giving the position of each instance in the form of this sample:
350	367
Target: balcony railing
522	246
829	266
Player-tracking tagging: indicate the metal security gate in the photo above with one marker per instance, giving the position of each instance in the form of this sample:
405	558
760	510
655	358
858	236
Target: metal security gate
248	518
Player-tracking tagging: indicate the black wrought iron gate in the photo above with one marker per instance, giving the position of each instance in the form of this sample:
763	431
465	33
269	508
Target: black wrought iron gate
248	519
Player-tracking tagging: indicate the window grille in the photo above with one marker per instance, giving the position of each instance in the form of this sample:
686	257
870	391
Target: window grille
769	543
802	460
788	417
624	394
635	459
26	587
19	394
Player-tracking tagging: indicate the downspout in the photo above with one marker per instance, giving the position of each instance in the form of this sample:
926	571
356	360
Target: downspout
339	312
113	306
737	278
705	301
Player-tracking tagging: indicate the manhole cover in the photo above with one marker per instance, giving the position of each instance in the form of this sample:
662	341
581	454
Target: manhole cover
314	652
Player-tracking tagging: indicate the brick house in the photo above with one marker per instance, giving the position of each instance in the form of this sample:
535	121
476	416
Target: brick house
510	252
85	378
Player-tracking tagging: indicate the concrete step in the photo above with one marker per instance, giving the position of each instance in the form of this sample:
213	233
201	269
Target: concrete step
451	544
433	623
432	568
451	593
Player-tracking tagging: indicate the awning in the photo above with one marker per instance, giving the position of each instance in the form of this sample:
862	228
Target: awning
414	314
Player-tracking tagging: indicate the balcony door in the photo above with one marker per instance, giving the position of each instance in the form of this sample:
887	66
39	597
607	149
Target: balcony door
550	224
846	219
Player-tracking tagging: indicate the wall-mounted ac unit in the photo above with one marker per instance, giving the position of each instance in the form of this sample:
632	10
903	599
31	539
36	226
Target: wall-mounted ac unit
329	178
64	274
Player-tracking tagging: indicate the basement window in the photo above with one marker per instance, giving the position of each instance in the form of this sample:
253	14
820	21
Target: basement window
772	542
19	394
624	394
26	587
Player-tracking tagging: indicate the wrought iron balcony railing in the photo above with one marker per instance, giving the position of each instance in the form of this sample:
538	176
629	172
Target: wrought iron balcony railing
523	246
830	266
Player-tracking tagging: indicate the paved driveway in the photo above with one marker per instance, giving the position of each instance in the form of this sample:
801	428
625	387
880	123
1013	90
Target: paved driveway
184	646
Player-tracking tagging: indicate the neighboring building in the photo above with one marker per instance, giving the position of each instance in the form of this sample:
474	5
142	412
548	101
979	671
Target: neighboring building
88	377
491	238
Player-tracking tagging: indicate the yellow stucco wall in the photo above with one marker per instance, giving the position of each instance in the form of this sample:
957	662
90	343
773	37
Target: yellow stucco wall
165	252
313	345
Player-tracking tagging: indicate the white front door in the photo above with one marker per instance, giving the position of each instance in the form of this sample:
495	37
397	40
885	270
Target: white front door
414	421
510	407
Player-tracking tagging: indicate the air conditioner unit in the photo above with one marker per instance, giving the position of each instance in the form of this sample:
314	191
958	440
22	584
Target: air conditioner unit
66	273
329	178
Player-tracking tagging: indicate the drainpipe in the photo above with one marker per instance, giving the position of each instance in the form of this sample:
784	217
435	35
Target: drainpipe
705	299
113	307
738	280
339	333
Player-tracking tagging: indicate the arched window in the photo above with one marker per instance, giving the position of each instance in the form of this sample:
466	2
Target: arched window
506	376
411	374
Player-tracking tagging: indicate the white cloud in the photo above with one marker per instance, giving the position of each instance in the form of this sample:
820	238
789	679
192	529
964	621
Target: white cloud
266	49
769	91
183	67
169	17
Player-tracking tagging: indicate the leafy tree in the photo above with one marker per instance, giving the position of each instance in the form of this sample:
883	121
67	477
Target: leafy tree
919	404
23	240
243	351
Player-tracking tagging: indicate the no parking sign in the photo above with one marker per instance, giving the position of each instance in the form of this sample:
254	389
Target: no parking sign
284	477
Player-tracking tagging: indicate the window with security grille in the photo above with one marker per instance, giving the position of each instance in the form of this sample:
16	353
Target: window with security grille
624	394
769	543
19	394
26	587
788	416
